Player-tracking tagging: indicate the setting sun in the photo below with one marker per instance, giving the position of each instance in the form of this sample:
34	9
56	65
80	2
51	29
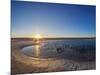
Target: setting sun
37	36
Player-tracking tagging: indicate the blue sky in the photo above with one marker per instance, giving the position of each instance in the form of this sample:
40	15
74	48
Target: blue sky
52	20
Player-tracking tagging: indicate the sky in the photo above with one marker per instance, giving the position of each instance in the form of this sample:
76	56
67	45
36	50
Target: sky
52	20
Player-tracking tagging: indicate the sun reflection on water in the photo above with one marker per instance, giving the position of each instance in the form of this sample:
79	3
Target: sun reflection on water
37	47
38	39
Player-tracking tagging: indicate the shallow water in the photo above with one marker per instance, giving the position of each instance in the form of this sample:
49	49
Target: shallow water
73	49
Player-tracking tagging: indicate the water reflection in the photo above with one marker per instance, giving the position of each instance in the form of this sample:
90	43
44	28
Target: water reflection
37	48
78	49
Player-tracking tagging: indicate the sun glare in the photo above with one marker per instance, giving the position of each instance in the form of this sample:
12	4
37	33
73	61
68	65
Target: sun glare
37	36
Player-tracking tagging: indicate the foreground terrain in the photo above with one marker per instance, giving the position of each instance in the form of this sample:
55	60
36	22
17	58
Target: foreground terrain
21	63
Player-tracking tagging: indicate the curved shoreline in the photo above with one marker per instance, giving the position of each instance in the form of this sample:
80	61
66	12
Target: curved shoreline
42	65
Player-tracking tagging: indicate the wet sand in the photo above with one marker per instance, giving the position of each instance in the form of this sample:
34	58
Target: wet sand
21	64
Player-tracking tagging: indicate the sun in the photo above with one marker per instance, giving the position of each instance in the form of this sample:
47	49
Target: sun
38	36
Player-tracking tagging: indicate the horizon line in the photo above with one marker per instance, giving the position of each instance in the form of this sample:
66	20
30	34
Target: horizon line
55	37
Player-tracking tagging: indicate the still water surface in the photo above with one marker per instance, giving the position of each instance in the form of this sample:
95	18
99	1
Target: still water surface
81	48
